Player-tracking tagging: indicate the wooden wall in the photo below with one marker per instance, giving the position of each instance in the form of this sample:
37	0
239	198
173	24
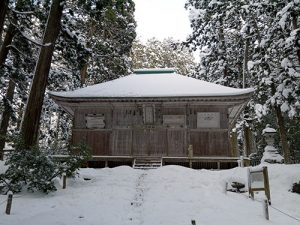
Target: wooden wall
125	132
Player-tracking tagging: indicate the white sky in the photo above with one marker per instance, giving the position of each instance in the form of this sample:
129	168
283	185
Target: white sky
161	19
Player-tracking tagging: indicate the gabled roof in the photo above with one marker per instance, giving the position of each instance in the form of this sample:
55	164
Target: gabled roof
153	85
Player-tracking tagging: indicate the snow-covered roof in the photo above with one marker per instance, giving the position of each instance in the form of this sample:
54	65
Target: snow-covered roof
153	85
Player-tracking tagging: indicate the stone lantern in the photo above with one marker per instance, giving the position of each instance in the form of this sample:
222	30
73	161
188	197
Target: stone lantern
269	135
271	154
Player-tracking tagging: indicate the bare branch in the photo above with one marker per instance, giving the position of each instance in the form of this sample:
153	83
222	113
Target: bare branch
23	13
16	49
38	43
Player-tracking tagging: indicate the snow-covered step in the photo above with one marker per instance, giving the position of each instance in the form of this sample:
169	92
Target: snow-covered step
147	163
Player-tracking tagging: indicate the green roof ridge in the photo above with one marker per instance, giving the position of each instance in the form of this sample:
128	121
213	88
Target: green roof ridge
154	71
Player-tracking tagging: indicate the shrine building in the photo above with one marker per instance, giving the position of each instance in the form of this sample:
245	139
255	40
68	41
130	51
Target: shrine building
156	114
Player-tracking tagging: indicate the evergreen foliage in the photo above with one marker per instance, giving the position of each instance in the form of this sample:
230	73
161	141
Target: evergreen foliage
36	170
162	54
109	32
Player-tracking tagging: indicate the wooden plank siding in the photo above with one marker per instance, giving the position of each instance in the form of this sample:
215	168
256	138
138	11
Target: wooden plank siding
176	142
126	134
122	142
99	141
157	142
209	143
219	143
140	142
199	141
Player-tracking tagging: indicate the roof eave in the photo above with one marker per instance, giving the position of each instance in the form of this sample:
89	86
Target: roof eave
69	103
145	98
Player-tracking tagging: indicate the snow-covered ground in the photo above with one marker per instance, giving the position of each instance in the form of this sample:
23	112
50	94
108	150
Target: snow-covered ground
171	195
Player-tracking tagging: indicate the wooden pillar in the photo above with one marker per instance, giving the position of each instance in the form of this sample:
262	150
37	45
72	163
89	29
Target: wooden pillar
247	141
251	193
234	144
190	155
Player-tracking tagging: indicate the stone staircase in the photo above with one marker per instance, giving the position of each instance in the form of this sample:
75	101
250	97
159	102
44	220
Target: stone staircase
147	163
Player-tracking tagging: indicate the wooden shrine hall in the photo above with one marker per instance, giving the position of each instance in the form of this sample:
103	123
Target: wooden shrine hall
156	114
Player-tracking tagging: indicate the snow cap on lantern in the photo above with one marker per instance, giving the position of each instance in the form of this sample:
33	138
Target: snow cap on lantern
271	154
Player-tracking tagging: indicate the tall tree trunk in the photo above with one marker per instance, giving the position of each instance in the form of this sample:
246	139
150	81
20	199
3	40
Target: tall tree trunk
11	31
249	142
83	74
245	63
6	115
298	53
10	90
223	47
31	120
3	10
283	135
295	26
20	115
247	130
83	70
282	130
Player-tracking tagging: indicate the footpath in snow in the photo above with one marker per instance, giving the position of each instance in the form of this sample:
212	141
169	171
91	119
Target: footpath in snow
171	195
136	212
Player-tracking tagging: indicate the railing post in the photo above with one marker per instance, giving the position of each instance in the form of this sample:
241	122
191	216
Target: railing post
9	202
266	184
241	161
219	165
266	209
64	176
226	187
